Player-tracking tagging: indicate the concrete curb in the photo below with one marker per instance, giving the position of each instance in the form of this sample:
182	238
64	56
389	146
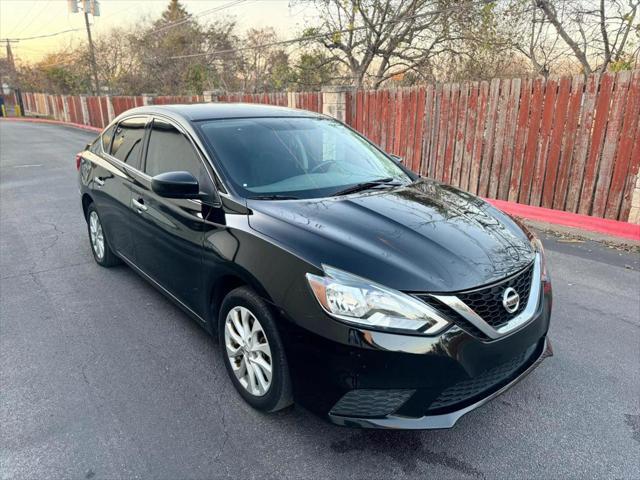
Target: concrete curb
604	226
549	216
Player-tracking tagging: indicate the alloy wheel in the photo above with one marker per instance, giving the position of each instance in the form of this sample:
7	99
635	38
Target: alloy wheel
248	351
97	236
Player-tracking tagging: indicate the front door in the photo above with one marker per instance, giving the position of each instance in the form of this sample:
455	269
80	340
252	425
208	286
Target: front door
168	234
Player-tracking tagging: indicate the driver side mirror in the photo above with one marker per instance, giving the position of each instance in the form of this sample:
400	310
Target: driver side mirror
396	158
176	185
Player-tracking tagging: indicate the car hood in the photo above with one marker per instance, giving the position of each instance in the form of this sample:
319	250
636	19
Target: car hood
425	237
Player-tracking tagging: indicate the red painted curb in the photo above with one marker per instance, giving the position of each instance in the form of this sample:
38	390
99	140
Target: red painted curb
55	122
558	217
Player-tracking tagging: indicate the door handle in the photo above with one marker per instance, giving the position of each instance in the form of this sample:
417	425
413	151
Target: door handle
99	181
139	205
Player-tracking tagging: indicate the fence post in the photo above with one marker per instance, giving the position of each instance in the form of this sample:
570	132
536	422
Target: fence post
291	99
65	108
110	112
634	213
147	98
334	101
211	95
84	109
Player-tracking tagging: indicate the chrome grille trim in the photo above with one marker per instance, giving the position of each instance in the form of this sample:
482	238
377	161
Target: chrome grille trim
515	323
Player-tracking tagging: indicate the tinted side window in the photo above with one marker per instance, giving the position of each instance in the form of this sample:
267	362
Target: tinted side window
127	141
170	151
107	136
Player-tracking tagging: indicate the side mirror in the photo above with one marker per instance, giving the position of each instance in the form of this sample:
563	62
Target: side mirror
396	158
176	185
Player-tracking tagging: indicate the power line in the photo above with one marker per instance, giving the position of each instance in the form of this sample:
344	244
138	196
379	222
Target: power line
33	19
312	37
46	35
164	27
191	17
26	15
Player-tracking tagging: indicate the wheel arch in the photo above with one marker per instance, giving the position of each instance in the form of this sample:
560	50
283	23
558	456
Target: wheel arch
86	201
222	284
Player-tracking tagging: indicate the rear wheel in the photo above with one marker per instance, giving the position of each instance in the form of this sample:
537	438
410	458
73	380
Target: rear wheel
102	253
253	352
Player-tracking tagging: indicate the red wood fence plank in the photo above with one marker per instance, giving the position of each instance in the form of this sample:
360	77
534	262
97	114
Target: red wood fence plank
611	139
537	99
469	131
419	129
487	153
433	135
597	141
442	131
391	121
544	136
582	144
501	124
427	130
410	118
384	115
461	124
553	158
522	125
630	183
451	132
478	143
568	141
509	139
629	136
398	132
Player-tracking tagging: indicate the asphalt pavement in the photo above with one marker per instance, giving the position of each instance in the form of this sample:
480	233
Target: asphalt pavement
102	377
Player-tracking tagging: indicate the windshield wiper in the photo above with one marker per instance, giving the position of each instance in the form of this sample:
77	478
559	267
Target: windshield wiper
274	197
358	187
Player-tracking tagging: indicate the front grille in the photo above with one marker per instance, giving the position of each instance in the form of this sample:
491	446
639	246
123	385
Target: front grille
453	315
466	390
371	403
487	302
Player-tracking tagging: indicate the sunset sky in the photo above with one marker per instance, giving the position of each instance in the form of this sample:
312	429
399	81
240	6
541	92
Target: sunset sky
26	18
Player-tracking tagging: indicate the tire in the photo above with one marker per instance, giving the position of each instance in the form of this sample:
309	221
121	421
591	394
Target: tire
102	253
250	350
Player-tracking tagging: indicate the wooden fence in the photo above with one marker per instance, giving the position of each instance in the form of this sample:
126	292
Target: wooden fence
560	143
566	143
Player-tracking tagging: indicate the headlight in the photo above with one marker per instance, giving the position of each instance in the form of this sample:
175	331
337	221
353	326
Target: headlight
361	302
544	273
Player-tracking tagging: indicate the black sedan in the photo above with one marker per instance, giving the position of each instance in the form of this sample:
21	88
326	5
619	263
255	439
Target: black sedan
329	272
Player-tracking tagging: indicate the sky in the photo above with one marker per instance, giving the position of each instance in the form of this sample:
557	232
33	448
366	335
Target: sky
26	18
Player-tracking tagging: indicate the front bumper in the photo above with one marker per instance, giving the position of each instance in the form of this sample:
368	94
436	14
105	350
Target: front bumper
443	420
355	377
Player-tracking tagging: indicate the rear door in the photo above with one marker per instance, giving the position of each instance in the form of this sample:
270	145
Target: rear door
112	181
168	233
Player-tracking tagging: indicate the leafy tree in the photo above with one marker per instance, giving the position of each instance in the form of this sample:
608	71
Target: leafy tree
164	49
313	69
375	40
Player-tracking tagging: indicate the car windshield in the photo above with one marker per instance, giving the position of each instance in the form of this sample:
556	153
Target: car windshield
296	157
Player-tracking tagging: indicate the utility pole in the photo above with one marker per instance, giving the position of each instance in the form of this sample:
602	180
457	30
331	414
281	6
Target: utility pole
92	53
13	77
88	7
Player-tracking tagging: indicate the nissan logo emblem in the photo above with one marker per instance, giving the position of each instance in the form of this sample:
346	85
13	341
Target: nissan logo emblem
510	300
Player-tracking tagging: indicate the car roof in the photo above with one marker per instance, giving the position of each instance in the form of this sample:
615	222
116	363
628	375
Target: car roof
214	111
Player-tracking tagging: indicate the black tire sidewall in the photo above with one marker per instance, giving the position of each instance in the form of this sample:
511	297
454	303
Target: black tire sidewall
279	390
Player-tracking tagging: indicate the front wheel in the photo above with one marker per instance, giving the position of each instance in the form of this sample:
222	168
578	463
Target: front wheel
253	352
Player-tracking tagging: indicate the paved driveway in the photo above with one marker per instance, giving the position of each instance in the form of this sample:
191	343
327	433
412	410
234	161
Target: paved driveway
102	377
